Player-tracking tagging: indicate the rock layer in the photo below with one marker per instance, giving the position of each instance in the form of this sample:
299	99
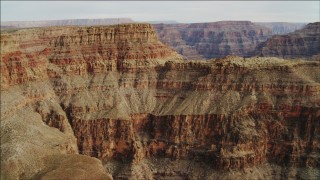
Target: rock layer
213	40
301	43
224	114
33	61
282	27
116	93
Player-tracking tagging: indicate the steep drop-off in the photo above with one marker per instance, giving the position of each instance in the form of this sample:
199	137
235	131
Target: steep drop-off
213	40
301	43
116	93
35	129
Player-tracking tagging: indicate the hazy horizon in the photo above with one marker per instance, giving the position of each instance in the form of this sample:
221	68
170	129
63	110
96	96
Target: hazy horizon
135	21
180	11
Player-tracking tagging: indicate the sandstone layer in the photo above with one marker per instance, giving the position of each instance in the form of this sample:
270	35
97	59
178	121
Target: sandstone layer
118	94
213	40
301	43
33	123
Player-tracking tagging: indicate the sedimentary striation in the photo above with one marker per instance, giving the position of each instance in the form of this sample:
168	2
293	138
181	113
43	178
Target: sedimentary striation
213	40
301	43
282	27
33	123
118	94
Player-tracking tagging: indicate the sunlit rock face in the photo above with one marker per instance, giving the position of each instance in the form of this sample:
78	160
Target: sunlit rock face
118	94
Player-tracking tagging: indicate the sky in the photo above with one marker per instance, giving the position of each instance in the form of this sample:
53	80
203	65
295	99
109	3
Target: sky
180	11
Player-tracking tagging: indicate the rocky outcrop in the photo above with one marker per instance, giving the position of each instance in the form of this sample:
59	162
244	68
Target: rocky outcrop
225	115
213	40
301	43
67	22
282	27
229	114
116	93
33	58
75	50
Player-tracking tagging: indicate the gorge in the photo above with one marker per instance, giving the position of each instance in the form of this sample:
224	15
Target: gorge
113	102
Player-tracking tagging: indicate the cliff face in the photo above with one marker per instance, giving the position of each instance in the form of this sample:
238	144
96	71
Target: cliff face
230	114
301	43
282	27
213	40
33	61
36	54
116	93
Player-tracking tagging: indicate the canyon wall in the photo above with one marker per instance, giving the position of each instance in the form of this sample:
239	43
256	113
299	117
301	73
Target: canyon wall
35	130
213	40
282	27
301	43
118	94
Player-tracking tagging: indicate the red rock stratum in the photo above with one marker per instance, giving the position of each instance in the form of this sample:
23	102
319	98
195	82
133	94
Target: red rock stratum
117	94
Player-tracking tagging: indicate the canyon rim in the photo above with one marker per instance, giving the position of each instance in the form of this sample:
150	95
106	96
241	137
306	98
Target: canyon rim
117	98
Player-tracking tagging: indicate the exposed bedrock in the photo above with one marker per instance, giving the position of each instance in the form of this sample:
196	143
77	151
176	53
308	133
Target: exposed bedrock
213	40
33	124
225	113
300	43
282	27
97	91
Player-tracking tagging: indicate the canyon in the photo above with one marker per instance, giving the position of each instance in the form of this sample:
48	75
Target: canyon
213	40
281	28
301	43
242	38
196	41
113	102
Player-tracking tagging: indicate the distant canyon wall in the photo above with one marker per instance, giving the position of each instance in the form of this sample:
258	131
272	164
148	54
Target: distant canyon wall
213	40
205	40
281	28
67	22
301	43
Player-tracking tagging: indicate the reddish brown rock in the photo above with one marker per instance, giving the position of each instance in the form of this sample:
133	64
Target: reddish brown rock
118	94
76	50
301	43
213	40
243	118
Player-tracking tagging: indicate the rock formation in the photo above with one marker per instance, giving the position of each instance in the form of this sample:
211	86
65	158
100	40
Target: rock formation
213	40
67	22
33	123
282	27
118	94
301	43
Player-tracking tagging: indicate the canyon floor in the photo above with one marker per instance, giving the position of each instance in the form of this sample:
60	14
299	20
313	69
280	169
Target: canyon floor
112	102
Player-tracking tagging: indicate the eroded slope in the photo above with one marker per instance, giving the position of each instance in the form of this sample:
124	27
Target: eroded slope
301	43
118	94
